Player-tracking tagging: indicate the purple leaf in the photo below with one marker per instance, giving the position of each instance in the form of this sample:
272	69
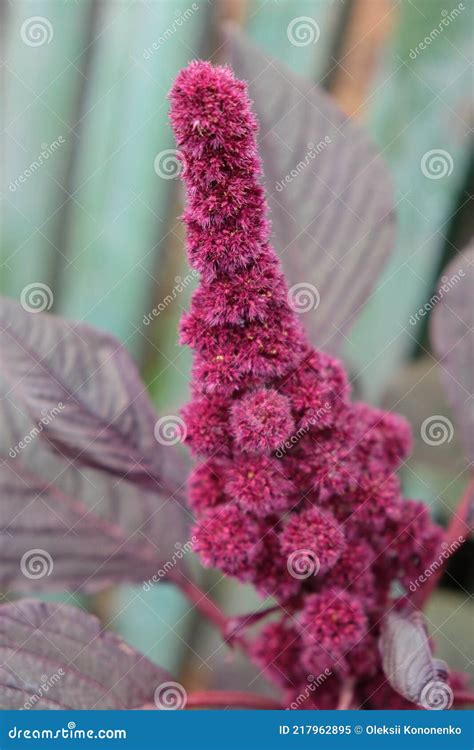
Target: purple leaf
86	390
57	657
96	527
452	334
329	193
408	663
50	541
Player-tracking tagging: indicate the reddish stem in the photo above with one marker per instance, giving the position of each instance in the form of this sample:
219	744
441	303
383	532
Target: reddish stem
346	695
228	698
239	622
463	697
228	627
457	531
203	604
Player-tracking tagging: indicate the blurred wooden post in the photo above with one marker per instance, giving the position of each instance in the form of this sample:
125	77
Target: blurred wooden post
368	30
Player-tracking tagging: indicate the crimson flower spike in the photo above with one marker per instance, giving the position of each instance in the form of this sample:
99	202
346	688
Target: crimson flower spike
295	488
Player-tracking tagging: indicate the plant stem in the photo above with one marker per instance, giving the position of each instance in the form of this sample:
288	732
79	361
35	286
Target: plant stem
227	698
463	697
346	695
457	531
239	622
228	627
208	609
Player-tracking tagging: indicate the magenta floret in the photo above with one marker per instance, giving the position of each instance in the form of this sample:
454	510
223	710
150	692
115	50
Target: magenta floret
261	421
331	623
228	540
258	485
316	532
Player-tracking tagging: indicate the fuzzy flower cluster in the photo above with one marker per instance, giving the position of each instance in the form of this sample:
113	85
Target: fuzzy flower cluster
321	527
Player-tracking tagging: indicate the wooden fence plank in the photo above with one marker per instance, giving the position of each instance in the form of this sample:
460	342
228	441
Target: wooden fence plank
369	28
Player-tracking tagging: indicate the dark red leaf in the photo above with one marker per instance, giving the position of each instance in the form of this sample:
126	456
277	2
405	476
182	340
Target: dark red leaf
92	526
48	540
452	333
86	379
57	657
408	663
